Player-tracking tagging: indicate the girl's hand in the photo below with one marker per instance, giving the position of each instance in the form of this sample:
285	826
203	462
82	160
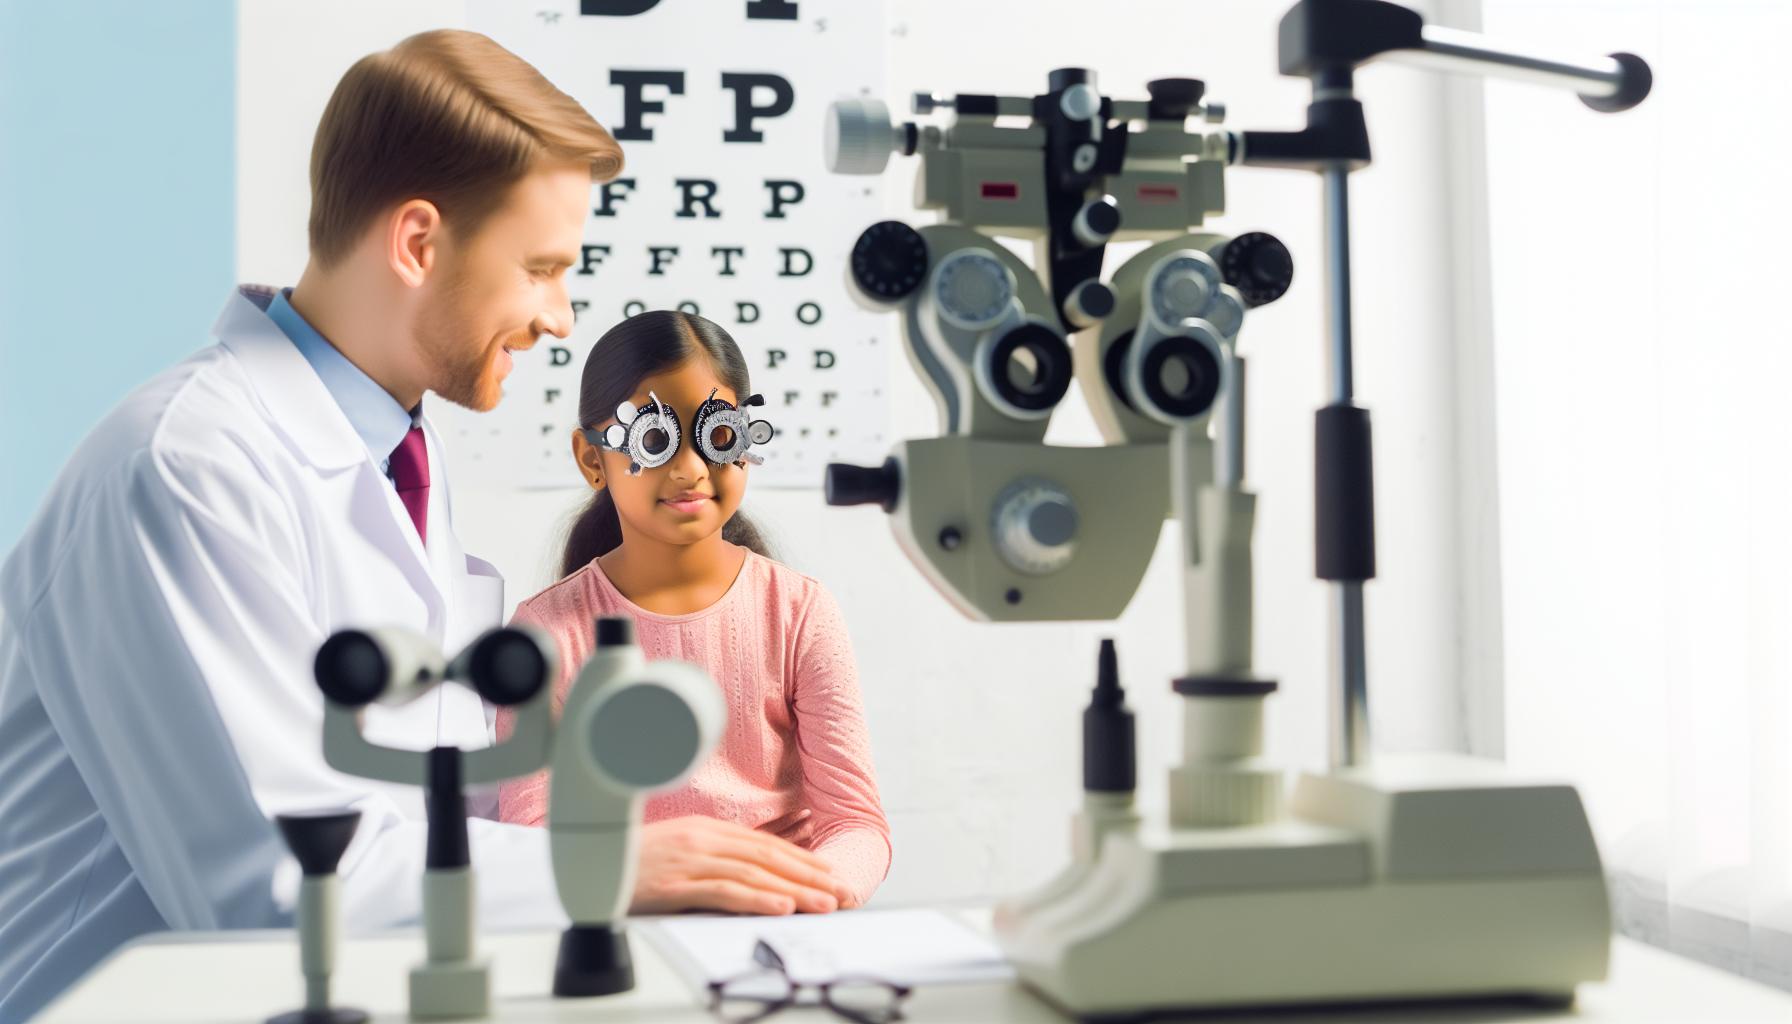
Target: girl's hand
699	863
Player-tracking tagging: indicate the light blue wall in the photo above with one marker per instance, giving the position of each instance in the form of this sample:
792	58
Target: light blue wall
117	213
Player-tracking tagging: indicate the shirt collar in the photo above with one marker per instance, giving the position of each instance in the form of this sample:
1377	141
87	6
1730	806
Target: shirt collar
376	416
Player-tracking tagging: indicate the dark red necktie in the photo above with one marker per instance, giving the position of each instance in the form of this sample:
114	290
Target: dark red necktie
409	466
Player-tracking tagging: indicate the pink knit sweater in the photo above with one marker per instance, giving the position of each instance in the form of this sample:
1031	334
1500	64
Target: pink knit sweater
795	739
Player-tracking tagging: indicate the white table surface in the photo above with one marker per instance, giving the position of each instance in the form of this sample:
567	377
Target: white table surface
245	977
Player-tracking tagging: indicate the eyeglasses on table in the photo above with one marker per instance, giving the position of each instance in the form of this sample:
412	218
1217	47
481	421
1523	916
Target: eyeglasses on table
761	993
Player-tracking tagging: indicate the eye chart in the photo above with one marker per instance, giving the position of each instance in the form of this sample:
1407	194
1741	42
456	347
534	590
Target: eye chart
724	208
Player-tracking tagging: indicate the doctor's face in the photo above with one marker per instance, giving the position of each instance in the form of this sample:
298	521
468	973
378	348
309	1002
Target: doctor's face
502	289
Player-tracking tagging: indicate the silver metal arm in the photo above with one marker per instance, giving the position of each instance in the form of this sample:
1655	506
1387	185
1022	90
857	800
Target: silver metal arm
1608	84
1459	52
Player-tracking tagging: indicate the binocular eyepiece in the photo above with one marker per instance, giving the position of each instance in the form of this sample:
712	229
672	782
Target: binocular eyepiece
505	666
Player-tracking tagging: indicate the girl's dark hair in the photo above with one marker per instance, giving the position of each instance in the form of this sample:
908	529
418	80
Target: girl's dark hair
646	344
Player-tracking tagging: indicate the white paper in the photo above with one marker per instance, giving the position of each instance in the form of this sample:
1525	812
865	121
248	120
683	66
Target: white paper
913	947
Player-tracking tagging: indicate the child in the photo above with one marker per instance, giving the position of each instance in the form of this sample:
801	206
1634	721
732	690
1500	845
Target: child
665	435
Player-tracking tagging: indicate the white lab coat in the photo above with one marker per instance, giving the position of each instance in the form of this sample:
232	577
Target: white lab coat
157	626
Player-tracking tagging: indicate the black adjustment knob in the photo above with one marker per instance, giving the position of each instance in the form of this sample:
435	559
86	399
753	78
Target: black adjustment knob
615	631
846	484
1259	266
1094	225
889	260
351	669
1089	302
1173	99
1060	79
1103	216
507	666
1635	81
317	839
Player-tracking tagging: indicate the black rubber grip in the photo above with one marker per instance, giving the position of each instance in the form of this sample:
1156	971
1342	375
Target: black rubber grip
975	104
1344	493
446	846
615	631
1109	761
1633	88
846	484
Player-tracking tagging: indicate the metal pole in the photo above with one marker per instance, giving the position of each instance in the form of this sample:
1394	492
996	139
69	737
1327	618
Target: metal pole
1337	279
1350	686
1228	449
1349	702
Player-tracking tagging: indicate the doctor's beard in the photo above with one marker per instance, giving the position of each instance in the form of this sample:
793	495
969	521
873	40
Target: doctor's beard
475	384
466	366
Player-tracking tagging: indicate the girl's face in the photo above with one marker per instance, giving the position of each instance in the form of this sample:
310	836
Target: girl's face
689	498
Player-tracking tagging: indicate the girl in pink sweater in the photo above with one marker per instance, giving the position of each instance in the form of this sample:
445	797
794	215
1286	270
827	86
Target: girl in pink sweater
785	815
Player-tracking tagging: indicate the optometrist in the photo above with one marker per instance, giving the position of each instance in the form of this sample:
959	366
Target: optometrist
160	615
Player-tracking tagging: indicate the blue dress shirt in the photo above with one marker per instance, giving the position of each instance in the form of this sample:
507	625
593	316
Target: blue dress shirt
371	409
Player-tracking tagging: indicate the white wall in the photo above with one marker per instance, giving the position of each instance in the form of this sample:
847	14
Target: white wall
1648	465
975	726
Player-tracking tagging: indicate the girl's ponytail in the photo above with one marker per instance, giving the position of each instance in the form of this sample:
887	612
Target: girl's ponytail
596	531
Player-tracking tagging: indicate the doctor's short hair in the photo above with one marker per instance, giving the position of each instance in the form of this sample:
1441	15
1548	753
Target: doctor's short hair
448	116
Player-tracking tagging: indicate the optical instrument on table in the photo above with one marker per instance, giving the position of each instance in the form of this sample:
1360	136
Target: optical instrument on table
629	727
1237	892
317	840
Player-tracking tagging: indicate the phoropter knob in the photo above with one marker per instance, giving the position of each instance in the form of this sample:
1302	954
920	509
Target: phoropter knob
1173	99
889	260
1259	266
1035	524
859	137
